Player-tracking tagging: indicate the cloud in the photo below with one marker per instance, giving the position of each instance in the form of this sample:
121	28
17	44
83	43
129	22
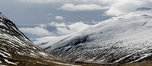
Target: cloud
81	7
58	17
79	26
113	7
73	28
40	1
66	1
36	31
64	29
120	7
61	28
57	24
54	29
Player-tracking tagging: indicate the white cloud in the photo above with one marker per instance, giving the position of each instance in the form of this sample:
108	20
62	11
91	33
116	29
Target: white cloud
81	7
67	1
58	17
113	7
61	29
40	1
73	28
36	31
77	27
57	24
120	7
64	29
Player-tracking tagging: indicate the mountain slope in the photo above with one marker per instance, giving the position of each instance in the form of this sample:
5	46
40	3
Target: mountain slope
17	49
123	39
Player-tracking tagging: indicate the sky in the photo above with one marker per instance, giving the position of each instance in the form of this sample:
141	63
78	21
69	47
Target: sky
34	12
41	18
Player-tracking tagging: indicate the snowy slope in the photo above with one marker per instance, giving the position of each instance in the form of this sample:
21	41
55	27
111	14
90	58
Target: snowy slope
45	42
17	49
123	39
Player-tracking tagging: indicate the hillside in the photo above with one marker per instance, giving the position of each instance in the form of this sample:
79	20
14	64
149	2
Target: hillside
122	39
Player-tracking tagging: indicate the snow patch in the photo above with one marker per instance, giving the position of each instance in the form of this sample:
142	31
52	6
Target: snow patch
64	64
2	24
0	61
9	62
3	55
43	54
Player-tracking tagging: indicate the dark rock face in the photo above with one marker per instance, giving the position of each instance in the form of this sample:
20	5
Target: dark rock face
124	39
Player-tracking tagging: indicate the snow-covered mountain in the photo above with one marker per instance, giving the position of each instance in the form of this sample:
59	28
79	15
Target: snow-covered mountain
122	39
17	49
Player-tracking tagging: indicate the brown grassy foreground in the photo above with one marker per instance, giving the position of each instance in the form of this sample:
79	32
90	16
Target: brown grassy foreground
149	63
27	61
